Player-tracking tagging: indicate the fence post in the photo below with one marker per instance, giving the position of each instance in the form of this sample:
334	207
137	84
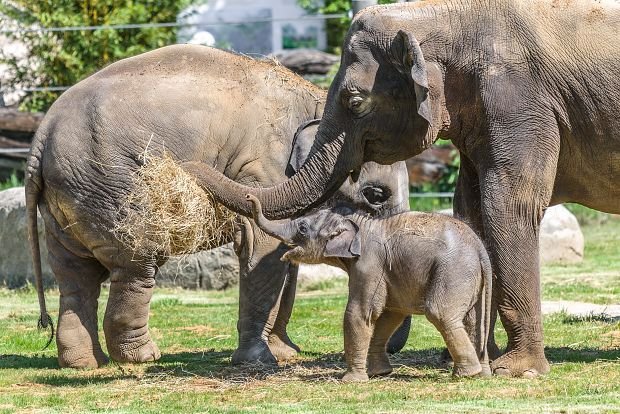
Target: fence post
358	5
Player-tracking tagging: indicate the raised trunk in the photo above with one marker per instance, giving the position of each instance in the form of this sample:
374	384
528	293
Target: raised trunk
280	229
318	179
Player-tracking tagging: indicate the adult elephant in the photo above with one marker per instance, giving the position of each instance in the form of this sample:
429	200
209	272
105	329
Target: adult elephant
527	90
228	111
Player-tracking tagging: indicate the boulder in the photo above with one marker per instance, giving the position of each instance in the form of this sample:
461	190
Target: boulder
430	165
561	239
307	61
15	259
310	274
212	269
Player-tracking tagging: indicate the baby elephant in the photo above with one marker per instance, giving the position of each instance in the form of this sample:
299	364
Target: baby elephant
410	263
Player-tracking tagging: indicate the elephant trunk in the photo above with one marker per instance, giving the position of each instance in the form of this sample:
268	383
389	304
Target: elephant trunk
280	229
321	175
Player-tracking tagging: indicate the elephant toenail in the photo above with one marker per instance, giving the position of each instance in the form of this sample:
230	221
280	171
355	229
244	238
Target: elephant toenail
530	373
502	372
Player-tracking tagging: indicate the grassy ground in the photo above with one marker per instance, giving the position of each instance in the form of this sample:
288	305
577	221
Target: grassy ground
196	333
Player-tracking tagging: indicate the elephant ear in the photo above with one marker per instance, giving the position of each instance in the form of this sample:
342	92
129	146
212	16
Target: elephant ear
412	60
346	243
302	144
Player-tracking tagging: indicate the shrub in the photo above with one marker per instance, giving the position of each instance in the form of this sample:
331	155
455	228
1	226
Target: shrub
336	28
64	58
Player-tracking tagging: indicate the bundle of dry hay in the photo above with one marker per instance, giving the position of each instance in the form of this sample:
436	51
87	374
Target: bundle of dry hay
167	213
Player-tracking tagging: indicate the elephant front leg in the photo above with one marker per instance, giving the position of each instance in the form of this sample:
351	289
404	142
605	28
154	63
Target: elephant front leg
261	286
513	205
126	318
357	335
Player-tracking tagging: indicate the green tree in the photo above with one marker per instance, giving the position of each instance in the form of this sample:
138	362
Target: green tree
336	28
64	58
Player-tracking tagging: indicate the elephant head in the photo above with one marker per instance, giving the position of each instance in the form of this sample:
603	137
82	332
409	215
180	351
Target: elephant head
385	104
377	189
387	96
315	238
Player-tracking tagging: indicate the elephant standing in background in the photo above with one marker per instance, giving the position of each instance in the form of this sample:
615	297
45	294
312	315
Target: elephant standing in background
228	111
527	90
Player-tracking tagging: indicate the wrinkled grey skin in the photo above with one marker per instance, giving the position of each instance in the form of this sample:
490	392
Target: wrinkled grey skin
407	263
201	104
527	90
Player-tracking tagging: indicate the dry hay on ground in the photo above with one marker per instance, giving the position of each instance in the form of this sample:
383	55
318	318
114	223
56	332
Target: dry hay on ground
168	213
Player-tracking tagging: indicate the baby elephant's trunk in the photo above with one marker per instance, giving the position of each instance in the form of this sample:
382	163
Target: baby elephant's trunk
280	229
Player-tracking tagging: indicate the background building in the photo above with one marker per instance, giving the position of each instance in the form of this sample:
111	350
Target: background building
274	26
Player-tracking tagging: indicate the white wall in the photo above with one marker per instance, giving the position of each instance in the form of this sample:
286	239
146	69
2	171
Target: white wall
262	38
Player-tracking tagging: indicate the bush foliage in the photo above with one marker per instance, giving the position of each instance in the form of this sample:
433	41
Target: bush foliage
336	28
64	58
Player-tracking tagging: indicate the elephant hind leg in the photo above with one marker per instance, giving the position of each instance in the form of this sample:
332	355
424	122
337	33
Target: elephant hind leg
127	313
447	311
79	281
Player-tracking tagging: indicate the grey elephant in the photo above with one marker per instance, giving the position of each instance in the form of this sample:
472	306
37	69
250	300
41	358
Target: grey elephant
225	110
407	263
527	90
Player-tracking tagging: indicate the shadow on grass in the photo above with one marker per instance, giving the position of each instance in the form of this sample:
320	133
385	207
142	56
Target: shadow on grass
588	355
10	361
215	365
331	366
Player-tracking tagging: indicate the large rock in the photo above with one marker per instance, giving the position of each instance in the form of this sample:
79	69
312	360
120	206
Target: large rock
15	260
213	269
430	165
311	274
307	61
561	239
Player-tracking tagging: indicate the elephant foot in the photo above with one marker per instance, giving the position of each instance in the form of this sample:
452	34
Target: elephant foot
352	376
283	349
256	352
131	352
81	359
467	370
521	363
486	370
379	365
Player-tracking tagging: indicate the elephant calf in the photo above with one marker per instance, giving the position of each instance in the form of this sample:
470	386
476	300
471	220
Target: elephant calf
407	263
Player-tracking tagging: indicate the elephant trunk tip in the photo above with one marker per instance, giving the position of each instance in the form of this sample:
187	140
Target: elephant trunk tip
257	209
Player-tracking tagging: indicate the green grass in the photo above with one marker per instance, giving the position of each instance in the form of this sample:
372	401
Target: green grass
597	278
12	181
196	333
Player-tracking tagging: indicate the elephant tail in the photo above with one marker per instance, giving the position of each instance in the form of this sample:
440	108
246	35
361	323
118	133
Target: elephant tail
485	320
33	187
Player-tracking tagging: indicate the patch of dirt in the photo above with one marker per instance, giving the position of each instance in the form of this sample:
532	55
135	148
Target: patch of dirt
614	338
581	309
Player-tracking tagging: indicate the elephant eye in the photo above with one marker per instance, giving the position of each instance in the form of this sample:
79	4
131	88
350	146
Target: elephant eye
355	102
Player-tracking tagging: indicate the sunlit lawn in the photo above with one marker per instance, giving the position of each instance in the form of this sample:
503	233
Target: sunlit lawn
196	333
